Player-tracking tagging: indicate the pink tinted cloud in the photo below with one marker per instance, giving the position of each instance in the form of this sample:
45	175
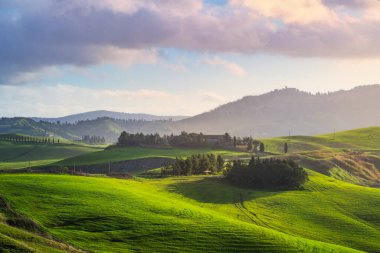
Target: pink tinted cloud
231	67
51	33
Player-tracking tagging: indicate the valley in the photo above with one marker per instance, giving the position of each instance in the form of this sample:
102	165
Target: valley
147	212
189	126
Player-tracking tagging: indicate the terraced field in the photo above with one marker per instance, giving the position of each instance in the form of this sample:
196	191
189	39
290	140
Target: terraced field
197	214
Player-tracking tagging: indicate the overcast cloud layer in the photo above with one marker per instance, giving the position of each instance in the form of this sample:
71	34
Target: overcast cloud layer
45	33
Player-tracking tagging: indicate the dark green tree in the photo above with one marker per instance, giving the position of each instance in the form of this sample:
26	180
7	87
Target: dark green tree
188	167
213	162
204	164
262	147
250	145
176	168
220	163
227	138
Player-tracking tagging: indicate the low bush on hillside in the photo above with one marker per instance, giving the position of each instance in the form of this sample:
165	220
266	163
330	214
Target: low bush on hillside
267	173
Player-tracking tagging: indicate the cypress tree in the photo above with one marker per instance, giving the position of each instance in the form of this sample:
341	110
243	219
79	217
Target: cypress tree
262	147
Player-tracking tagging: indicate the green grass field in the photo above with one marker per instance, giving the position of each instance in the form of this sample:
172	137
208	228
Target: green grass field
198	214
352	156
358	139
132	153
23	155
17	240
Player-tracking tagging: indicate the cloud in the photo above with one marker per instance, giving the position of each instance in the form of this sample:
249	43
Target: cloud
45	33
126	57
214	97
231	67
290	11
63	99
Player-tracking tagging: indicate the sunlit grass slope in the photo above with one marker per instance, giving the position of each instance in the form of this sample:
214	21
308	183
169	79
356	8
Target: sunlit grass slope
132	153
197	214
364	138
352	156
21	155
327	210
17	240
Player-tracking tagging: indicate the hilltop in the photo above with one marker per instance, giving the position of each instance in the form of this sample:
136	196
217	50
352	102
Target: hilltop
289	110
277	113
352	156
108	114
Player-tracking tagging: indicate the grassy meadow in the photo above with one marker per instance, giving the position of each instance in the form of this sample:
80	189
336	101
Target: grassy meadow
197	214
335	212
352	156
118	154
358	139
24	155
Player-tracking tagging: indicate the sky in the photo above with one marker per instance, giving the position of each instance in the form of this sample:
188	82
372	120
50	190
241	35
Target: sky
178	57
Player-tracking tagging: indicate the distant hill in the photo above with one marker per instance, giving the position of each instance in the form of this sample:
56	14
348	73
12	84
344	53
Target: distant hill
289	110
278	113
109	114
21	126
106	127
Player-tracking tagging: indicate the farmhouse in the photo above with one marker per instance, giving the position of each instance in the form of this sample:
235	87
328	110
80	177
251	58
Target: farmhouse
212	139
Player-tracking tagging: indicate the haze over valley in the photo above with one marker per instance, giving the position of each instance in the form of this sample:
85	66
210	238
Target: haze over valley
283	112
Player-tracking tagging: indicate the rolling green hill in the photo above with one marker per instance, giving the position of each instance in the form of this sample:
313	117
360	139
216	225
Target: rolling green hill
21	126
108	128
352	156
197	214
357	139
363	138
23	155
20	155
17	240
118	154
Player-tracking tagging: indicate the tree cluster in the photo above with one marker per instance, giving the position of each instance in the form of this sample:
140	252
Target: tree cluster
93	140
189	140
195	140
267	173
183	140
195	165
28	139
127	139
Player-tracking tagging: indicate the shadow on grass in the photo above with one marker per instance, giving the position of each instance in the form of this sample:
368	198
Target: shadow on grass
218	190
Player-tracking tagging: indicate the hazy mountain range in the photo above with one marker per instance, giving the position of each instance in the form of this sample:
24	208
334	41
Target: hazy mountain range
289	110
109	114
277	113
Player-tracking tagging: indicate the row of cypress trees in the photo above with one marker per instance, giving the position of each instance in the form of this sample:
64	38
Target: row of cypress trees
28	139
